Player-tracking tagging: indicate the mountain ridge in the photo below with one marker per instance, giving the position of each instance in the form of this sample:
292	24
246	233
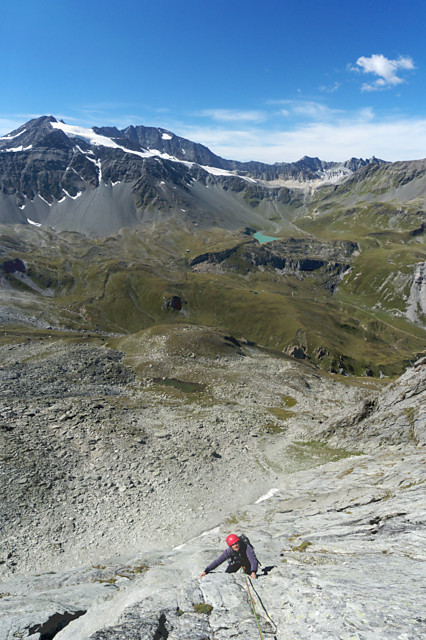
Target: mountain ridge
65	142
164	140
55	162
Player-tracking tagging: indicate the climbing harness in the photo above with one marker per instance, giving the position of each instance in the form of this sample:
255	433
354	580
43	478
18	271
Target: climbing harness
253	606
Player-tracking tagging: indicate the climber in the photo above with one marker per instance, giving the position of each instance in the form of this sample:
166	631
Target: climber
239	554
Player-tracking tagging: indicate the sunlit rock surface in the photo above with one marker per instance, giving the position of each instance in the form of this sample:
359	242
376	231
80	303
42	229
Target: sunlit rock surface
342	552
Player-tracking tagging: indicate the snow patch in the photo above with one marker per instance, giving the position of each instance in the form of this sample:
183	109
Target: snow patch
247	179
36	224
17	149
266	496
73	131
103	141
9	137
98	163
85	153
77	174
166	136
215	171
70	196
41	198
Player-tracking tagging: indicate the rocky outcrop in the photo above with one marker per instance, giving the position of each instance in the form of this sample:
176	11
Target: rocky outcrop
175	303
12	266
284	256
416	303
295	351
214	257
397	416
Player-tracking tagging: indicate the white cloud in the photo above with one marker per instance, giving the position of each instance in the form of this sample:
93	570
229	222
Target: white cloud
317	131
330	88
385	69
311	109
232	115
306	109
360	136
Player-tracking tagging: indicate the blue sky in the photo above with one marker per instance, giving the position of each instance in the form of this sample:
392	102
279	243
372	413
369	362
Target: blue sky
267	80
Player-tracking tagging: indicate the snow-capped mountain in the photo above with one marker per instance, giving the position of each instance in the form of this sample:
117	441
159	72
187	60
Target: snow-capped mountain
99	180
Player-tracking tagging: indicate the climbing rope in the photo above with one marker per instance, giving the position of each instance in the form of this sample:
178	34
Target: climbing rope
265	610
253	606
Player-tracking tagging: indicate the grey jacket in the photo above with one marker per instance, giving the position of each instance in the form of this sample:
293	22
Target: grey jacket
246	553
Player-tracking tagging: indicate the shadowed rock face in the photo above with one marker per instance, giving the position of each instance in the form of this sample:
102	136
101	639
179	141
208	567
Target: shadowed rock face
12	266
174	302
279	254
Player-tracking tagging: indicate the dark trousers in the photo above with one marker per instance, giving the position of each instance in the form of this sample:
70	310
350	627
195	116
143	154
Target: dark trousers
235	566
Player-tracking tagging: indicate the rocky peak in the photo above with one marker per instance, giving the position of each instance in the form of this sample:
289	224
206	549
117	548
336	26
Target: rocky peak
357	163
36	132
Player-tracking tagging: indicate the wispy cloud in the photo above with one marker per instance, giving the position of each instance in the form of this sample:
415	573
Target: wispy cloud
307	109
387	71
331	88
314	110
289	130
359	134
233	115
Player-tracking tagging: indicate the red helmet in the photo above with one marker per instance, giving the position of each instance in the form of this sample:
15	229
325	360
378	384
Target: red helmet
232	539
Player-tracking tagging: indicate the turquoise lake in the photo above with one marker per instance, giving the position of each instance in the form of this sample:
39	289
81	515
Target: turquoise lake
262	239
